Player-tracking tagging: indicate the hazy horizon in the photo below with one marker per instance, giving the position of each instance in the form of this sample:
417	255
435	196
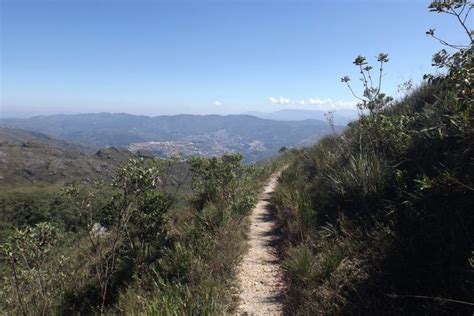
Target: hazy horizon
252	113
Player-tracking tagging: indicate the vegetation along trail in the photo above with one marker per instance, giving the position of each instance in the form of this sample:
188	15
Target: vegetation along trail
259	274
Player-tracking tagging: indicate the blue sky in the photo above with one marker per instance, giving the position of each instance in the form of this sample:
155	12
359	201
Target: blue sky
169	57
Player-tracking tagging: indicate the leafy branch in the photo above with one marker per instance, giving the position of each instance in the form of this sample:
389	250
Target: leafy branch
459	9
372	98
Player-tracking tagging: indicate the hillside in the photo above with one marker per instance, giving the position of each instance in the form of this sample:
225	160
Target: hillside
379	220
206	135
15	136
32	158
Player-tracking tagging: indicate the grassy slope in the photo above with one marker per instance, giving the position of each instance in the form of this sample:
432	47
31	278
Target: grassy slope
379	220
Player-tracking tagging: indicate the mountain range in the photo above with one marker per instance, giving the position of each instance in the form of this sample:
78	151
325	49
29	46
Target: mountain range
341	117
207	135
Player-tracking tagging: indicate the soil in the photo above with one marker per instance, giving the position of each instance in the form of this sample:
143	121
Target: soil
260	274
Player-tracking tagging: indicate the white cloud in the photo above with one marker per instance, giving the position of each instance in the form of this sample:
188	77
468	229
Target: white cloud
217	103
280	100
322	103
318	101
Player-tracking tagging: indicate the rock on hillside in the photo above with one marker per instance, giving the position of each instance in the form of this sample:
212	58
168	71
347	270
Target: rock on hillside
27	158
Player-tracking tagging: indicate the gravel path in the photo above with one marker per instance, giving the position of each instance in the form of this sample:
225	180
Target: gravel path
259	274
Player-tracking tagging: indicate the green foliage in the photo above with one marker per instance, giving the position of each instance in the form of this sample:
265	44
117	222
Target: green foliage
219	180
135	245
35	276
30	205
138	176
133	234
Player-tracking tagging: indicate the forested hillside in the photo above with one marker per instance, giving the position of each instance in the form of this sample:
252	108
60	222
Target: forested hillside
379	220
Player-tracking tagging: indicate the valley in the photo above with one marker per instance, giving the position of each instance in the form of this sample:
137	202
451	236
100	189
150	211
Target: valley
187	135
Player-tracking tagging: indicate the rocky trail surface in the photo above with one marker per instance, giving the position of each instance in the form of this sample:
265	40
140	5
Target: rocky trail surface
259	274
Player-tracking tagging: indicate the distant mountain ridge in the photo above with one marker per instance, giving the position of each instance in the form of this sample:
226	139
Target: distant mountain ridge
255	137
341	117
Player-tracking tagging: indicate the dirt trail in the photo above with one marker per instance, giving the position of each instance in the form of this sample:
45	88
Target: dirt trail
259	274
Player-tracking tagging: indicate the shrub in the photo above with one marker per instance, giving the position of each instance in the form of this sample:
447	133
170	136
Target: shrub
35	278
